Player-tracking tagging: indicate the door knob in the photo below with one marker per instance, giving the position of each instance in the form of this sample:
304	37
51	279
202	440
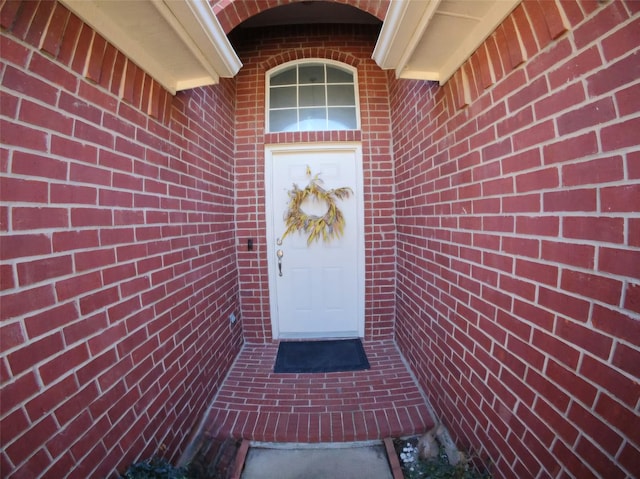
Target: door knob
280	254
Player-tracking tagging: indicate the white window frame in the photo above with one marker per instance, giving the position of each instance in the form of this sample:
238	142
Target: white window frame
323	61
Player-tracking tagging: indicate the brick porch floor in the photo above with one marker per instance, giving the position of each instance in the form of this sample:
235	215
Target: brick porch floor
257	404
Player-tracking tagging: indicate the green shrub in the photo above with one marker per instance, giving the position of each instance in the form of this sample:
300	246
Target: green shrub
155	468
413	467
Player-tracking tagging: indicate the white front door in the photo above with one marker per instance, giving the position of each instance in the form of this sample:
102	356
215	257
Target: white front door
317	289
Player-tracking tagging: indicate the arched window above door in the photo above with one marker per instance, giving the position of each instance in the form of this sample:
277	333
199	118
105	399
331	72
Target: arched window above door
313	95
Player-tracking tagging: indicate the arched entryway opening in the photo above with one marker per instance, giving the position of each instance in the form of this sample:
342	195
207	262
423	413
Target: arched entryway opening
267	41
232	14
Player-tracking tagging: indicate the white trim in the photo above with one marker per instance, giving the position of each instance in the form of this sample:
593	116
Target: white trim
189	29
407	24
205	33
425	16
410	74
470	43
383	53
403	27
355	147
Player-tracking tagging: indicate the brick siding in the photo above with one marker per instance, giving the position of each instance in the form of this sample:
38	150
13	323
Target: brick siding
502	209
118	251
518	263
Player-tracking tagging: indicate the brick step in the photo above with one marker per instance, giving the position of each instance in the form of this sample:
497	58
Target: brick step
257	404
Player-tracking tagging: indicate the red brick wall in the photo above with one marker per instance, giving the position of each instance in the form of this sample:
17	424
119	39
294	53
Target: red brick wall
518	201
118	251
518	237
259	52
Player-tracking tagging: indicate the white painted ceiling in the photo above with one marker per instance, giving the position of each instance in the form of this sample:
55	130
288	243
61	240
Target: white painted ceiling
180	42
431	39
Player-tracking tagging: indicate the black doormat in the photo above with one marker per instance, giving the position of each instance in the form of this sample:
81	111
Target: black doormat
321	356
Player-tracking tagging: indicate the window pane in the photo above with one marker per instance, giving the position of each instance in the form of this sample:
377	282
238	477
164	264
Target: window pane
313	119
285	77
312	95
311	73
282	97
336	75
342	119
341	95
283	120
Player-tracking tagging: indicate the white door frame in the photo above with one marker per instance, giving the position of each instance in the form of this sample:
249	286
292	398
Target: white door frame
351	147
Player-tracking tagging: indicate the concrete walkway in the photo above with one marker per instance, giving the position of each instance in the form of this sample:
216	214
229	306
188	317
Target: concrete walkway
368	461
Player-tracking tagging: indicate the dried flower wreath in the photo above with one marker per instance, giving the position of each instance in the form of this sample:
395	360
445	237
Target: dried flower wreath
328	226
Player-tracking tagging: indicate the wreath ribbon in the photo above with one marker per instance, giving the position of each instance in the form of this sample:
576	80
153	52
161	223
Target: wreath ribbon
328	226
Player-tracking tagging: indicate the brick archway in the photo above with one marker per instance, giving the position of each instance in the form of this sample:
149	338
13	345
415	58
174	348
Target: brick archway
314	52
231	14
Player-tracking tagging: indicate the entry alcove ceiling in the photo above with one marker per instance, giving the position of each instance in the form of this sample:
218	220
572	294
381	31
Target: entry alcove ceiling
181	44
431	39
